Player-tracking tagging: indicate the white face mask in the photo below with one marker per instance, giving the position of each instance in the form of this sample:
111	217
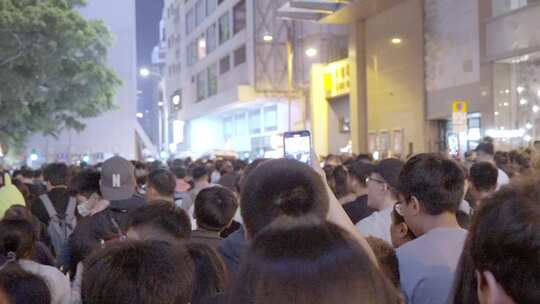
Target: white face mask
83	210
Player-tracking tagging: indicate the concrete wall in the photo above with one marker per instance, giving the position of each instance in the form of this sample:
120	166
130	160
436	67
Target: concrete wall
113	132
339	108
395	73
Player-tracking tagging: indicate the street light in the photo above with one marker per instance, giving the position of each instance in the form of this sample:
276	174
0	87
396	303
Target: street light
311	52
140	115
396	40
176	99
160	103
144	72
268	38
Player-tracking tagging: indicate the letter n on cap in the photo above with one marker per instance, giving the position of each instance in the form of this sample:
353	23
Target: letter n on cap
116	181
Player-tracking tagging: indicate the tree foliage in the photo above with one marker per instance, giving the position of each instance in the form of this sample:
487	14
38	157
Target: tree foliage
53	69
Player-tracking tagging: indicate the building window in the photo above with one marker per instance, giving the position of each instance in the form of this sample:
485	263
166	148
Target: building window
270	119
220	1
239	16
211	38
224	28
212	80
211	6
500	7
192	53
254	122
201	47
224	65
241	124
240	55
200	12
201	86
228	127
190	21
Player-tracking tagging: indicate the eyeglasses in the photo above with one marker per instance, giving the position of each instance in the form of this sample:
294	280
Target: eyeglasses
368	179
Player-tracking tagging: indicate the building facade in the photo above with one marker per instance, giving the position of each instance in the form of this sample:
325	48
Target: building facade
236	73
113	132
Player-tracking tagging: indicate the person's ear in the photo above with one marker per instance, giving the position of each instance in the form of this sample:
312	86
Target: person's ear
415	206
489	290
403	230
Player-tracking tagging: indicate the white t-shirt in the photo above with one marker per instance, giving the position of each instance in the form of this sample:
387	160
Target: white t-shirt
57	282
427	265
503	179
377	225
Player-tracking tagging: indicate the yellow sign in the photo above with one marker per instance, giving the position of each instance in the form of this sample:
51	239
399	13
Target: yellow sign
337	78
459	106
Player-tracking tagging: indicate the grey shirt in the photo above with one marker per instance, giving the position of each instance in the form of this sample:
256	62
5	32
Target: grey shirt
428	263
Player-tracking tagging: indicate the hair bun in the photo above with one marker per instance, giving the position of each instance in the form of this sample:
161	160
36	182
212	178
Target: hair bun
295	202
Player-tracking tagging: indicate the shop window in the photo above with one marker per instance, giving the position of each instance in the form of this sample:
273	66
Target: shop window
240	55
224	65
201	86
212	80
270	119
211	38
224	28
239	16
254	122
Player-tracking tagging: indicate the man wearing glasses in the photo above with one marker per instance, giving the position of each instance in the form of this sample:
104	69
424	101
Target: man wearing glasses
382	196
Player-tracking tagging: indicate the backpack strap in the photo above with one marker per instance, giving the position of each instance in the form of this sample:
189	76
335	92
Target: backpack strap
72	204
48	205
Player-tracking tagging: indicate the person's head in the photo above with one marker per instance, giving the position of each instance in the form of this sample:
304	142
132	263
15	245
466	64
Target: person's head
85	186
341	181
483	177
141	173
161	185
211	277
138	272
281	187
501	259
359	173
293	258
161	221
27	174
17	238
56	174
365	158
17	174
247	171
38	175
20	286
117	179
382	184
215	208
430	186
485	152
399	231
179	172
200	174
387	259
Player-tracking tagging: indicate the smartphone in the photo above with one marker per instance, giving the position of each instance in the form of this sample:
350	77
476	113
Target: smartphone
297	145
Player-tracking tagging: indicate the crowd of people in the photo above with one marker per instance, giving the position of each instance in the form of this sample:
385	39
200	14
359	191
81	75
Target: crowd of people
425	230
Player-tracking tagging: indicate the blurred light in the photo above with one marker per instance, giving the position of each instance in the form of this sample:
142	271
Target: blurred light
178	131
173	147
311	52
86	158
396	40
535	108
506	104
496	113
507	91
150	159
527	138
529	126
176	100
484	93
163	154
520	89
140	115
160	103
523	101
144	72
538	93
276	141
505	133
34	157
474	134
376	155
268	38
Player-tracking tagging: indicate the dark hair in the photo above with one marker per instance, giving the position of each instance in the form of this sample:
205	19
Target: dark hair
27	172
361	171
483	176
138	272
310	261
504	239
341	181
179	172
23	189
247	171
211	277
281	187
367	158
164	218
17	236
486	147
199	171
85	183
387	258
398	219
239	165
23	287
163	181
215	208
38	173
437	183
56	174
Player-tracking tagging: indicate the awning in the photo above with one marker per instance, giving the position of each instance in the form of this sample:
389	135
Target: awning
311	10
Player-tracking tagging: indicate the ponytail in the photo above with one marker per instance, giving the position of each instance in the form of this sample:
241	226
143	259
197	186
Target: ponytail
17	239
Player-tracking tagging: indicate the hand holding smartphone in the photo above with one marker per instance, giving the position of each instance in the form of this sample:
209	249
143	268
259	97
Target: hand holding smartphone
297	145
